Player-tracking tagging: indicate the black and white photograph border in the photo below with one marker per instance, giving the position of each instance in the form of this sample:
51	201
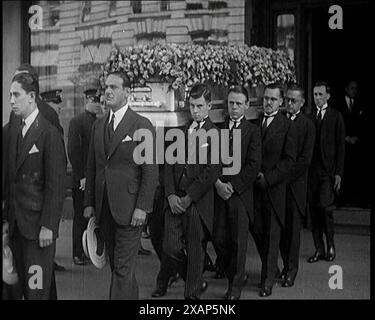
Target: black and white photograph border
67	43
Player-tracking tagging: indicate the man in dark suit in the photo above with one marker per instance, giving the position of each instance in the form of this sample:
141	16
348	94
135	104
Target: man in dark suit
44	108
167	273
326	171
36	189
119	187
78	148
234	204
296	189
352	110
189	192
278	154
47	112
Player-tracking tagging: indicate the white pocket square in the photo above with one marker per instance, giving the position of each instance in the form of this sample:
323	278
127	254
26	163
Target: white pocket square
205	145
33	149
127	138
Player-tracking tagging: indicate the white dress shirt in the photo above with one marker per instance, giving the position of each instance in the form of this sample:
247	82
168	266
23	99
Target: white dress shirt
323	109
294	115
195	124
29	121
119	114
269	118
349	102
236	122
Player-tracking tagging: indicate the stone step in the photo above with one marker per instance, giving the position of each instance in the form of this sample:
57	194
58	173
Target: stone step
352	216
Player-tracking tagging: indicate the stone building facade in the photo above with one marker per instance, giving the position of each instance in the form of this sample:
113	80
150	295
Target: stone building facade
76	37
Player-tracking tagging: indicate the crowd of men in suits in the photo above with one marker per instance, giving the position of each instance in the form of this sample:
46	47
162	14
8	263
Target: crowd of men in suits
280	153
290	161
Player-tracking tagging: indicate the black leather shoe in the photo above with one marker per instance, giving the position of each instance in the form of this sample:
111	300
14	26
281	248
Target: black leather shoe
146	235
159	292
228	293
210	267
331	253
79	261
289	282
204	286
316	257
281	276
173	279
203	289
265	291
219	274
144	252
232	297
245	280
57	267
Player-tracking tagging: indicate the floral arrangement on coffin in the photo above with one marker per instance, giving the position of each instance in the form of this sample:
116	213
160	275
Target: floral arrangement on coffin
183	65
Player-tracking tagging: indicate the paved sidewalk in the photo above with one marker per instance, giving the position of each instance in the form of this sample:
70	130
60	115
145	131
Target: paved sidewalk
353	255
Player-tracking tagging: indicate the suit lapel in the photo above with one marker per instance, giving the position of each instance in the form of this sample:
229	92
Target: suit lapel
31	137
272	127
244	127
12	146
123	128
325	121
101	129
207	125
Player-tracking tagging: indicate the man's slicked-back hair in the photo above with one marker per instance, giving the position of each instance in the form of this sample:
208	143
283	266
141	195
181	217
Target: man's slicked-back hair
126	83
239	89
323	84
28	68
296	87
200	90
27	82
349	81
273	86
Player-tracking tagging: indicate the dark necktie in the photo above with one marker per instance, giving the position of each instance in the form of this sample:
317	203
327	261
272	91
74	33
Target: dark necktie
350	104
235	125
264	125
319	115
111	127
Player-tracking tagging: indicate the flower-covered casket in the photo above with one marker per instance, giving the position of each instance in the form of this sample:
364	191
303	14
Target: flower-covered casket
162	75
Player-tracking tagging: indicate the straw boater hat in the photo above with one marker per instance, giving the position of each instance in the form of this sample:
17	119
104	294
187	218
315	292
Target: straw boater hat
95	244
84	244
9	271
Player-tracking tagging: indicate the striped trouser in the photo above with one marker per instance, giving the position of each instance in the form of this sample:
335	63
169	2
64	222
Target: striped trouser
184	237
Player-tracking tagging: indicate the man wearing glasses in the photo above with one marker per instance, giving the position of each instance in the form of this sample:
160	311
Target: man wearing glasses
296	189
78	145
278	155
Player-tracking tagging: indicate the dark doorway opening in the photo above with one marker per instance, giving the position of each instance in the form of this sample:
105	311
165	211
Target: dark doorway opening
341	55
337	56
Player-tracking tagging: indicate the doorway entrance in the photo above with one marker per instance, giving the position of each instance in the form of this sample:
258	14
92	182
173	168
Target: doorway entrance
339	55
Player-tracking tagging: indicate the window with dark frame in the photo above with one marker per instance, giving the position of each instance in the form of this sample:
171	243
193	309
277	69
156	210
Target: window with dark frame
54	17
112	8
164	5
213	5
286	34
136	6
86	11
194	5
